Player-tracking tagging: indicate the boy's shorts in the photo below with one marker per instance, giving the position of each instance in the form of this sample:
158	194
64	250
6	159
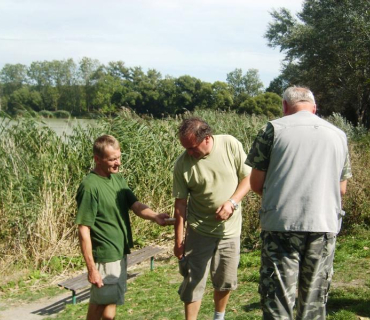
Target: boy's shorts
114	275
202	253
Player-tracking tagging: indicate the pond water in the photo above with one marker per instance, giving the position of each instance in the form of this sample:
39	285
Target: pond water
60	126
66	126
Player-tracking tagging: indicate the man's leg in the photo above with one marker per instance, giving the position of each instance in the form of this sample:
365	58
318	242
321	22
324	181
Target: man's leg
109	312
99	311
104	300
224	273
221	299
192	309
195	269
280	259
316	274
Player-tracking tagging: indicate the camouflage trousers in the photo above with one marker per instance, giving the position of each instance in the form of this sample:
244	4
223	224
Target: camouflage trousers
294	262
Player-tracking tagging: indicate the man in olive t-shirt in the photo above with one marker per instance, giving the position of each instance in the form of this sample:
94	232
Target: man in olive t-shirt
103	201
209	181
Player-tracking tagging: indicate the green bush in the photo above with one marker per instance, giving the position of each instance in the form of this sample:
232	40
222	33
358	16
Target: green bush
62	114
46	114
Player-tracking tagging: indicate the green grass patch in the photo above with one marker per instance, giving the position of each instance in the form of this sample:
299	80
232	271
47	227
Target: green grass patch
153	295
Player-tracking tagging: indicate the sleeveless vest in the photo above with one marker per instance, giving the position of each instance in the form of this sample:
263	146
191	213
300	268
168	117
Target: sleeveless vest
302	186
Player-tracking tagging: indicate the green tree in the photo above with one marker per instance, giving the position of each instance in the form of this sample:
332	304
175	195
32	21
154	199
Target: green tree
41	76
140	91
118	70
24	100
185	92
88	69
328	49
168	96
222	95
67	82
204	96
244	86
13	77
278	85
268	104
253	86
235	81
248	84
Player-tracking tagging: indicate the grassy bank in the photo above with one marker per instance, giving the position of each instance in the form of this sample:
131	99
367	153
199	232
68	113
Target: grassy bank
40	172
153	295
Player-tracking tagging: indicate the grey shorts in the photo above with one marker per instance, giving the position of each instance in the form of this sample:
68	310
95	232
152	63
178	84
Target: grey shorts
204	254
114	275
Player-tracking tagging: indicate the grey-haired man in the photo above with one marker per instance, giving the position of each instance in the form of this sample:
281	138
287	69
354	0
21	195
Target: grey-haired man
300	167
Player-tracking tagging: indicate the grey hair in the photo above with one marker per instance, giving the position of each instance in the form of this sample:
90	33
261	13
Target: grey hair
292	95
195	126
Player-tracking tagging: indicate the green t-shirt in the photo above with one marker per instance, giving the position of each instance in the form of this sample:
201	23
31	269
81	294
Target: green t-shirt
209	182
103	204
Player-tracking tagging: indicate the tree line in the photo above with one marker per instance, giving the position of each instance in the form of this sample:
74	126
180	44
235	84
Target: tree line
89	87
327	48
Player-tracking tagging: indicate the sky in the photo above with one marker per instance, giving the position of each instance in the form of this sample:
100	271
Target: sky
205	39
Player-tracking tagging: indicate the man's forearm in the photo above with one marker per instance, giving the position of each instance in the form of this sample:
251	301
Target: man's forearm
257	180
180	213
343	187
143	211
179	229
86	247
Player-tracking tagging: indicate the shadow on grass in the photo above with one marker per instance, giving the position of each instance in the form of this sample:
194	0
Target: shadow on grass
360	307
252	307
58	306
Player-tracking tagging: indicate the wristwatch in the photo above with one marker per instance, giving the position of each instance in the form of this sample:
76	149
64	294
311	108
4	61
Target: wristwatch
235	205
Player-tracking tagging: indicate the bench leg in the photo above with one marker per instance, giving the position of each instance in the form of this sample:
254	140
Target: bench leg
151	263
74	298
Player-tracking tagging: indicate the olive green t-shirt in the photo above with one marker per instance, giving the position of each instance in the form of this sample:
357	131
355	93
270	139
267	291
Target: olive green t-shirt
103	204
209	182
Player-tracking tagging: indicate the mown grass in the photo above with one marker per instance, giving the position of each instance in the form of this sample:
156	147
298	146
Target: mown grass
153	295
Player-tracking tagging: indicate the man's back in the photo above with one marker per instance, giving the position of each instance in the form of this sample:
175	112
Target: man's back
302	186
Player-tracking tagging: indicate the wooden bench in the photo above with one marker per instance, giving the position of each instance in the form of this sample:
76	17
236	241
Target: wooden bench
135	257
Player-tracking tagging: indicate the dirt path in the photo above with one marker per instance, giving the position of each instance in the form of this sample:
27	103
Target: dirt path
50	306
40	309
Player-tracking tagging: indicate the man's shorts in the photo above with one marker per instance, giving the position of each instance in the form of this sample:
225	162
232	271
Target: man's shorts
202	254
114	275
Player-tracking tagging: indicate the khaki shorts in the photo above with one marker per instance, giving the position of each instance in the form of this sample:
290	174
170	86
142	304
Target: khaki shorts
114	275
204	254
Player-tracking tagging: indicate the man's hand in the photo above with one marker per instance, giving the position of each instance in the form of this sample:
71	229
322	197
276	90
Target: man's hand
94	277
178	250
160	219
224	211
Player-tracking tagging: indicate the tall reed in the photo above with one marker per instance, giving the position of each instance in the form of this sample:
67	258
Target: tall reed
40	173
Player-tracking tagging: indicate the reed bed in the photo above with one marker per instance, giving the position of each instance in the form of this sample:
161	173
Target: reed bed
40	173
